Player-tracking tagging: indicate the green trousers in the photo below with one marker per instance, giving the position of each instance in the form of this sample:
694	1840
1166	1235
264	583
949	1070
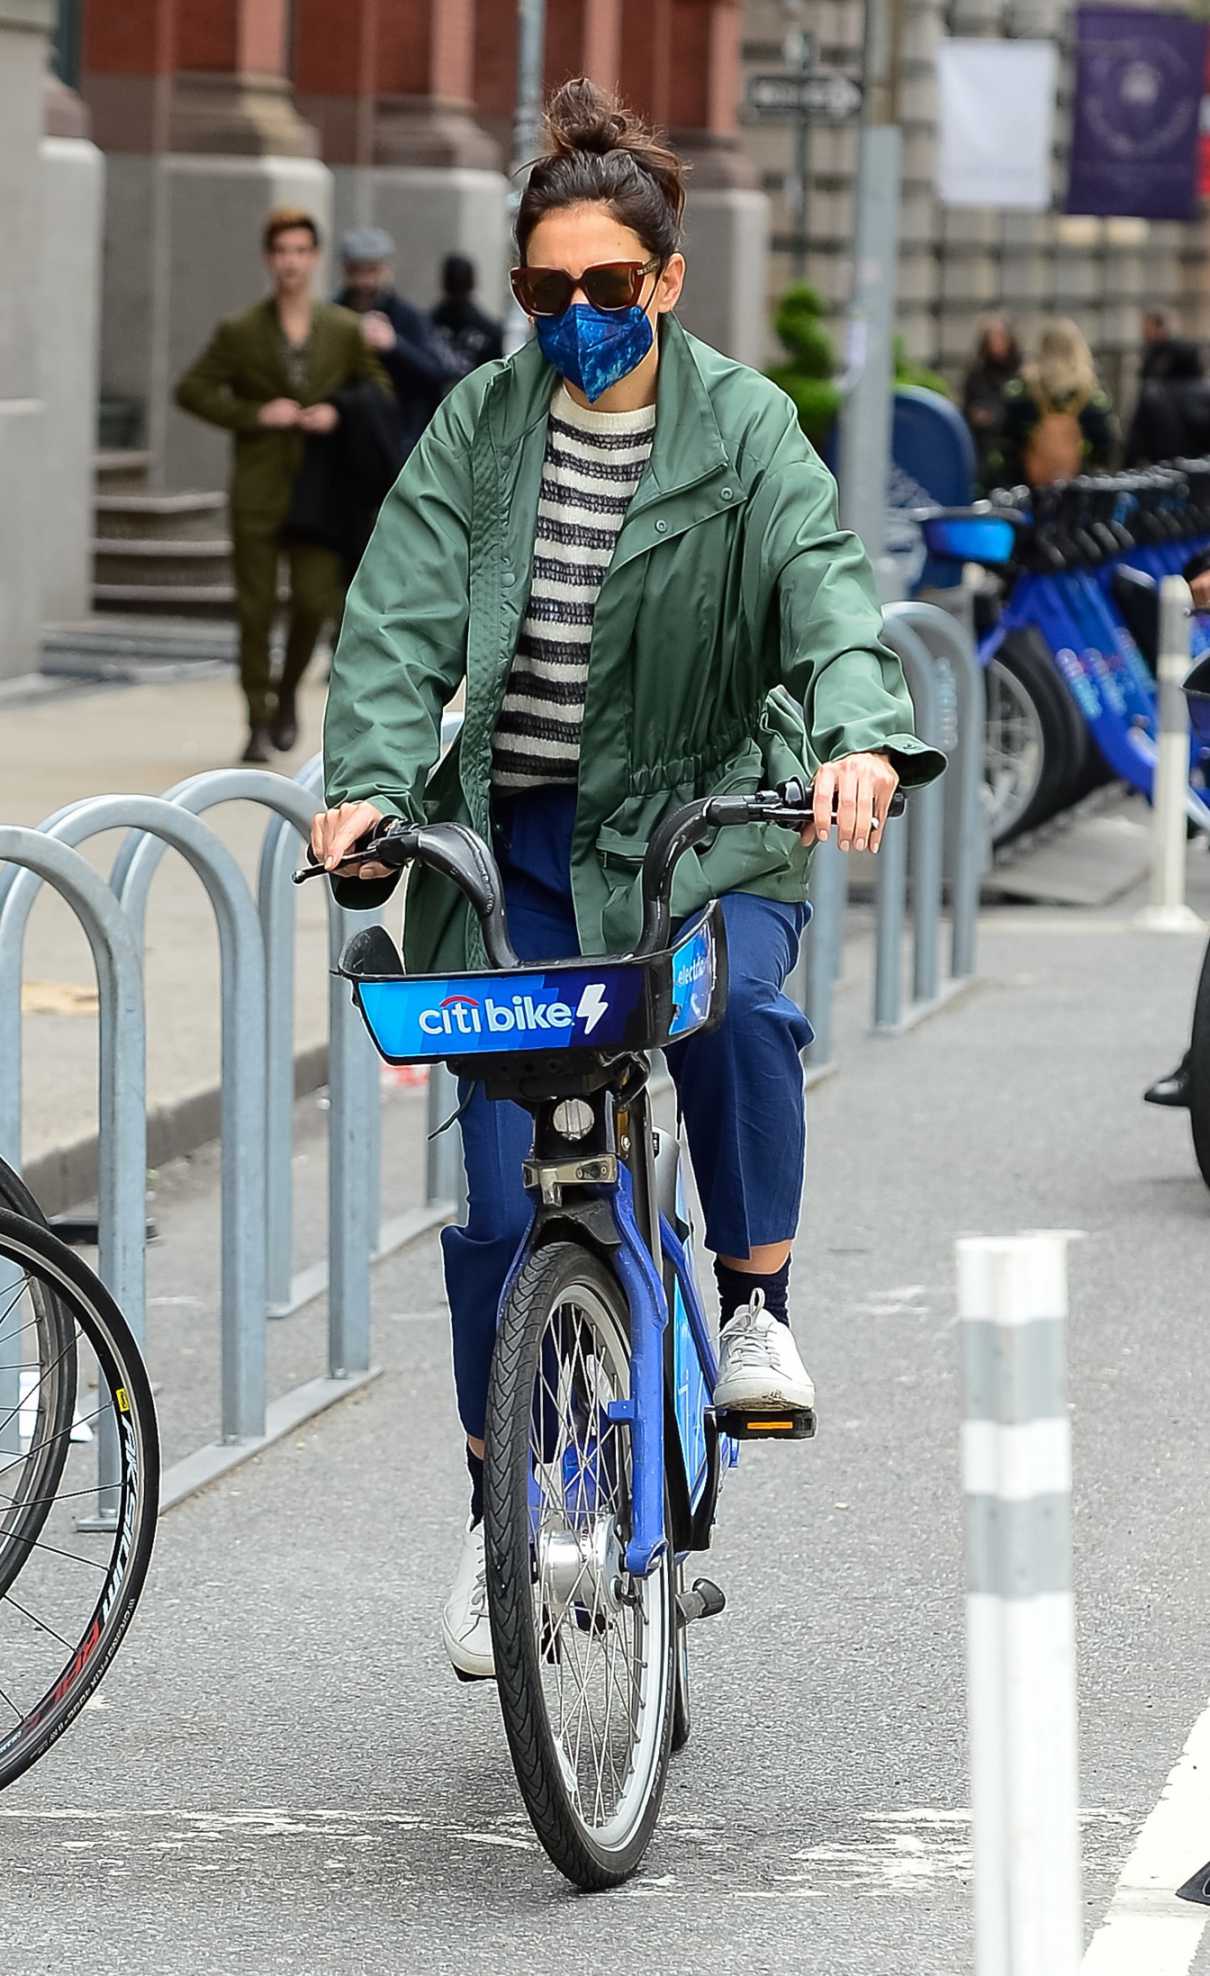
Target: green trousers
316	600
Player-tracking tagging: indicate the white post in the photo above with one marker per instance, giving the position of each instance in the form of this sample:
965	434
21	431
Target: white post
1016	1465
1167	911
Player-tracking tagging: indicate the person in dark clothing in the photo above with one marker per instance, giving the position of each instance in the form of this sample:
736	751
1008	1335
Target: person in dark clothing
275	378
471	337
420	368
997	363
1166	355
1172	417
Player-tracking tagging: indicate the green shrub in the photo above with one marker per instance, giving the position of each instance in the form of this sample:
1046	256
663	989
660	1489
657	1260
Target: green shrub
807	379
907	371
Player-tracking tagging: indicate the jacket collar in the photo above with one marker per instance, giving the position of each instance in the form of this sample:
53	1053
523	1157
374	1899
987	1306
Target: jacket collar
689	445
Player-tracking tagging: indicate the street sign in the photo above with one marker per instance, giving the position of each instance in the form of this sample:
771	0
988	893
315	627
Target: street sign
821	93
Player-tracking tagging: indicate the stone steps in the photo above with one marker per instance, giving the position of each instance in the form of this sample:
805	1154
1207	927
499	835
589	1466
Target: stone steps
159	517
208	600
136	561
120	470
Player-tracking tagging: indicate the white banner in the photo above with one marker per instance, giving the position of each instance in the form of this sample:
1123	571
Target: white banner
995	108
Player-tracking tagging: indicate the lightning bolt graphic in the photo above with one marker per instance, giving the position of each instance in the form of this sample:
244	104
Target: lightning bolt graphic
592	1006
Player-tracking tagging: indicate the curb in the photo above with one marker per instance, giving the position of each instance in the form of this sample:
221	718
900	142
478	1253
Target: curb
66	1176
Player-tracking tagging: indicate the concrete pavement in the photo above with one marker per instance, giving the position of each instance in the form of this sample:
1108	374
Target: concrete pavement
283	1774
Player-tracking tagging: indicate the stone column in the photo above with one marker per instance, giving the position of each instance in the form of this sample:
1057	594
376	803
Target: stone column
435	182
128	59
584	37
237	148
73	192
646	58
23	48
727	215
335	66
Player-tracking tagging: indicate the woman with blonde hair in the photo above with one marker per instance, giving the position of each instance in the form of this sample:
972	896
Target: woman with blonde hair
1057	420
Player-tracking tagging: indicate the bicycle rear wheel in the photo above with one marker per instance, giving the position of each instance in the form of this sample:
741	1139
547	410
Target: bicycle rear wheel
584	1652
50	1402
1199	1071
80	1539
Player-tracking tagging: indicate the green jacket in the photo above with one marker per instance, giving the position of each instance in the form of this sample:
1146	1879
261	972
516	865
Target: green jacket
242	368
732	600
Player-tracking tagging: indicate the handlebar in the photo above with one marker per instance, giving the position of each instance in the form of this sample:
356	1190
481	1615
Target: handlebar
457	851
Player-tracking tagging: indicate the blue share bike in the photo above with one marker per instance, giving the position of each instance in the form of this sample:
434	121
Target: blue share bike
604	1452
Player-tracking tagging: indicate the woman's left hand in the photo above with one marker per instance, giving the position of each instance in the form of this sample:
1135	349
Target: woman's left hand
859	789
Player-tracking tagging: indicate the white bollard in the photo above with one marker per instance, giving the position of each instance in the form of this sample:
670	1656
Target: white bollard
1016	1470
1167	912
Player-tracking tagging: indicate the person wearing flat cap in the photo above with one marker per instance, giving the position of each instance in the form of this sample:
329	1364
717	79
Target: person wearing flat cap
420	367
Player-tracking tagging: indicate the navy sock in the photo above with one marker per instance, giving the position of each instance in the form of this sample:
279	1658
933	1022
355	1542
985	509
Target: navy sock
735	1287
474	1464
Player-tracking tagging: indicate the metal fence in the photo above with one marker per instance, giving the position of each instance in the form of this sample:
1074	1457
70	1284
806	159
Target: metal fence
256	942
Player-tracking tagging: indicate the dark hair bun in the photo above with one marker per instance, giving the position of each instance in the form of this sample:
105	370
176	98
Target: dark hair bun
597	149
581	117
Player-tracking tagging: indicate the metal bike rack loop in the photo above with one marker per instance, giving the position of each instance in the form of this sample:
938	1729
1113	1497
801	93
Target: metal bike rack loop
349	1267
926	822
963	783
243	992
34	859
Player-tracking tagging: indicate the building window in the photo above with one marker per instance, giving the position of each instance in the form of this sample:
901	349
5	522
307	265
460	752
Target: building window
65	55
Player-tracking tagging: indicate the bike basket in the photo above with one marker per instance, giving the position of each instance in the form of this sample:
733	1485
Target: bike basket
576	1005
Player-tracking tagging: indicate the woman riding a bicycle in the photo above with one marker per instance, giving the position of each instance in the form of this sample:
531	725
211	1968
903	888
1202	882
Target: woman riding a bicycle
620	544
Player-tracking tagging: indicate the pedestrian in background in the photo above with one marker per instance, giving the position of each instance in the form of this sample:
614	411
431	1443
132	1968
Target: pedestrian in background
997	362
1165	354
419	366
269	377
471	336
1172	417
1058	422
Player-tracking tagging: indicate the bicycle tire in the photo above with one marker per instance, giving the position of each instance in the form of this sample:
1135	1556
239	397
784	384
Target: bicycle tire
1199	1071
53	1410
558	1276
125	1390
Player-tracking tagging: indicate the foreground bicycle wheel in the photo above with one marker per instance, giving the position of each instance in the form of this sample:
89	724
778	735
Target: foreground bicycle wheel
74	1549
584	1653
1199	1071
50	1408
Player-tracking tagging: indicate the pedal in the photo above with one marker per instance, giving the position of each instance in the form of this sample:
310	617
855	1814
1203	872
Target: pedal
703	1600
747	1424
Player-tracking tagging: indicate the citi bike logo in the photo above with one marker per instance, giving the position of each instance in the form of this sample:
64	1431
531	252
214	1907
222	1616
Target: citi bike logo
465	1015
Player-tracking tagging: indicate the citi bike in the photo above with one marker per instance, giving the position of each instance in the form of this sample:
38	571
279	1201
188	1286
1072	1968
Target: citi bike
604	1451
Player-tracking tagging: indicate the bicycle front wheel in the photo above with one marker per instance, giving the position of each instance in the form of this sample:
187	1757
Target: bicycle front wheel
584	1651
49	1399
1199	1072
75	1540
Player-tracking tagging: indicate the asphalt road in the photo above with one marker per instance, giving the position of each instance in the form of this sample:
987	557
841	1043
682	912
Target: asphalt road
281	1775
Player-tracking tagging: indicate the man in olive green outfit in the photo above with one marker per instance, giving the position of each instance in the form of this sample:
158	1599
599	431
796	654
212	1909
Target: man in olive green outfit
268	377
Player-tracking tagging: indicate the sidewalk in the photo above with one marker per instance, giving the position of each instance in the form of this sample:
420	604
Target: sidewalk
97	741
312	1785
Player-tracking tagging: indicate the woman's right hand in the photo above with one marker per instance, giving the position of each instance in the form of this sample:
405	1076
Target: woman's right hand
335	832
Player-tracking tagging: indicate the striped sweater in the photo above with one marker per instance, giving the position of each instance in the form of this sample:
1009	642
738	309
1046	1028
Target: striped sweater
592	466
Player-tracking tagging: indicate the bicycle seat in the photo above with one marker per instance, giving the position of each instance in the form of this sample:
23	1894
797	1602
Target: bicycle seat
979	534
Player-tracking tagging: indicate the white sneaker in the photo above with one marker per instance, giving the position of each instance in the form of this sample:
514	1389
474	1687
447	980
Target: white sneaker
465	1627
759	1365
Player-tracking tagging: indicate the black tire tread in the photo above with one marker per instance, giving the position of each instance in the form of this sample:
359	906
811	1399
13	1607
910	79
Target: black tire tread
93	1296
1199	1071
547	1272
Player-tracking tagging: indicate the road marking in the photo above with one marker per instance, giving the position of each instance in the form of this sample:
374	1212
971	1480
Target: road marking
1146	1927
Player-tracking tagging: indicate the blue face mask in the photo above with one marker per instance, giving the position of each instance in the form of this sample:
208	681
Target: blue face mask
594	348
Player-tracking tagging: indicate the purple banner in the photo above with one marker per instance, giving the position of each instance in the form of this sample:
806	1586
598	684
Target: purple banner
1139	84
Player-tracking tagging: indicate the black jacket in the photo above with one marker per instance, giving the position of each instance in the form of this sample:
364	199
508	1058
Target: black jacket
421	370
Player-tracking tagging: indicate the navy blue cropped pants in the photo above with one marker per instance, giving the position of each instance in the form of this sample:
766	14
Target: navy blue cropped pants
740	1089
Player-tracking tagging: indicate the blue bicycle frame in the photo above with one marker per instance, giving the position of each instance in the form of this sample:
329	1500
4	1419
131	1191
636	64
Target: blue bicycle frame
531	1030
